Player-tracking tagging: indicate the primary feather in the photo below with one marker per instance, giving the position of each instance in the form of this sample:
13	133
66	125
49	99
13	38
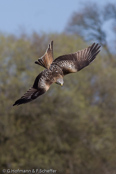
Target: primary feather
76	61
55	70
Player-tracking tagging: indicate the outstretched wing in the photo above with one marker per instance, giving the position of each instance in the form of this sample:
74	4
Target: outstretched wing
39	87
47	59
76	61
30	95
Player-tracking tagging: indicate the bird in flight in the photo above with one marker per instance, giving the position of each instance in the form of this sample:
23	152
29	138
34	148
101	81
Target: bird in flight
56	69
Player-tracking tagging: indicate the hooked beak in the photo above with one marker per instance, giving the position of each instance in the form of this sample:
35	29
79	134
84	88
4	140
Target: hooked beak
61	84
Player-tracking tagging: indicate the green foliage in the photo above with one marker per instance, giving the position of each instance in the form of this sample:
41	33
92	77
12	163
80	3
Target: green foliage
71	128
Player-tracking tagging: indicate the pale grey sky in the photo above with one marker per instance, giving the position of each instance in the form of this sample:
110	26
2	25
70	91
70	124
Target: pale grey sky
17	16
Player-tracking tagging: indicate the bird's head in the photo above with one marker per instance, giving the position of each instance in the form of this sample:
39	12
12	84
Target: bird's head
60	81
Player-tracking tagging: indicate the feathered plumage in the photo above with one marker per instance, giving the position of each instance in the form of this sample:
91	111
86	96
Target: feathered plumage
55	70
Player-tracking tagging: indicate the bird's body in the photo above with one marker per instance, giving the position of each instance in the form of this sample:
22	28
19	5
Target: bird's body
57	69
48	76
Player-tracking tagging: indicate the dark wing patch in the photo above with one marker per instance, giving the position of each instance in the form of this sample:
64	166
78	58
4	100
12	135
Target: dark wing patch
30	95
76	61
39	87
47	59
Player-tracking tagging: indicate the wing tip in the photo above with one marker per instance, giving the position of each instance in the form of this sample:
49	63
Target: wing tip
50	46
14	104
20	101
94	50
96	45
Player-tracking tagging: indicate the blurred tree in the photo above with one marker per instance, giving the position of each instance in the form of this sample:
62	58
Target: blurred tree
91	23
70	129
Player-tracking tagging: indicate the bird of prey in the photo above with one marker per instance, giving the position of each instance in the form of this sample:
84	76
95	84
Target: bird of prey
56	69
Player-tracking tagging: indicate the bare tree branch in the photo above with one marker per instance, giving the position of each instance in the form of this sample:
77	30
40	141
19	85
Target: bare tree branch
89	22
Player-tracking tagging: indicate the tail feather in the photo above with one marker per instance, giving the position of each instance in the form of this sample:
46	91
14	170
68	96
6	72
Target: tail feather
47	59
